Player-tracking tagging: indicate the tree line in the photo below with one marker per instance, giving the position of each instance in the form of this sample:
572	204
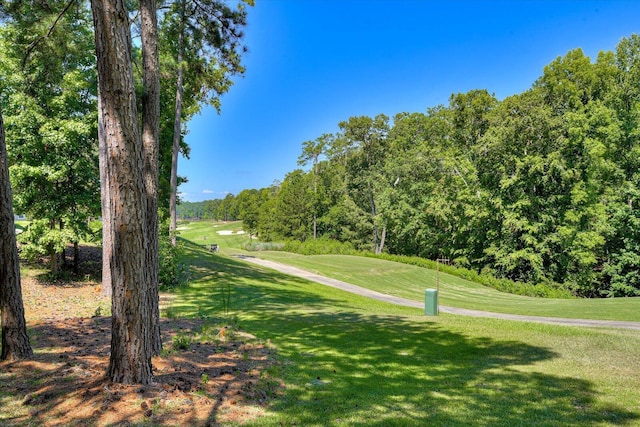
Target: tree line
541	187
94	124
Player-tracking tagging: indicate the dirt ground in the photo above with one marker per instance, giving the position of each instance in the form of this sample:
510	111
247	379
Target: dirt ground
209	374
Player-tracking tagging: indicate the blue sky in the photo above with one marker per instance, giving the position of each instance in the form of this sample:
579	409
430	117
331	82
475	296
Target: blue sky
314	63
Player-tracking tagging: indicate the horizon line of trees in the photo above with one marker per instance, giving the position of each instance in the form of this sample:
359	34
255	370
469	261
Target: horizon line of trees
541	187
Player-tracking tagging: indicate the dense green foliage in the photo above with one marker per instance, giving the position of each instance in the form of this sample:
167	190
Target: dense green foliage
49	100
48	93
171	271
541	187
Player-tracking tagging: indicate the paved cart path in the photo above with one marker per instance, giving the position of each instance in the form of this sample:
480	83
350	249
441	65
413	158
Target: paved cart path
293	271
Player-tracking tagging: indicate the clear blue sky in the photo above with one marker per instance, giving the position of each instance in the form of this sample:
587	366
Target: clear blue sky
314	63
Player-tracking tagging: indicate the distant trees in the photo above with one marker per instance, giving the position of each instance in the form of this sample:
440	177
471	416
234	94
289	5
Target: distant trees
542	186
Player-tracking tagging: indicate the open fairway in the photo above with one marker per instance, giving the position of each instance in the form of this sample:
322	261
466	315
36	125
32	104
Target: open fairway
410	282
347	360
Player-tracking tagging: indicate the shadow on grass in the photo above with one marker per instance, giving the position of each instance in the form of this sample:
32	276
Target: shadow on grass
65	385
348	367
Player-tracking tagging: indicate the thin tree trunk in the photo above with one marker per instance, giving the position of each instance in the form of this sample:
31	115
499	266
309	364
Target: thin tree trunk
382	239
177	126
122	173
315	197
107	244
15	342
150	141
76	258
53	255
375	226
63	252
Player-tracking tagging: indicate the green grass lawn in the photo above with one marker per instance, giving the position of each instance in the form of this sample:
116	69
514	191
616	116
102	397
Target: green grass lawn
214	232
350	361
410	281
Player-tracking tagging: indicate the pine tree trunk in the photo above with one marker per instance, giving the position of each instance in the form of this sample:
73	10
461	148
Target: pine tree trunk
15	342
76	258
150	141
177	126
126	241
107	244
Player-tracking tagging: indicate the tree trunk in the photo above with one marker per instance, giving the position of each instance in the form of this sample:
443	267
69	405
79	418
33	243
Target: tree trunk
15	342
376	248
76	258
150	141
53	255
382	239
107	244
122	163
315	197
177	126
63	253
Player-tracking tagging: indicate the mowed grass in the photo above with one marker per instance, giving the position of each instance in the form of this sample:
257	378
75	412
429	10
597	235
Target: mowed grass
350	361
410	282
214	232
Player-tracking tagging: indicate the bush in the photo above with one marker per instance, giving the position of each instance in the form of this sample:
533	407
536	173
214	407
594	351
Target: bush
544	290
320	246
171	272
263	246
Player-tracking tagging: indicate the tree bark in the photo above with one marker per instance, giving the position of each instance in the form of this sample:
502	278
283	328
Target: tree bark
122	162
15	342
107	244
376	248
177	126
76	258
150	141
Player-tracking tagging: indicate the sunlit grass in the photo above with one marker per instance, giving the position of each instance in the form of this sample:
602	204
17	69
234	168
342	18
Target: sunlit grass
410	282
348	360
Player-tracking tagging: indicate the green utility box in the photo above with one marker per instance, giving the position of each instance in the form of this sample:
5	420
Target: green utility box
431	302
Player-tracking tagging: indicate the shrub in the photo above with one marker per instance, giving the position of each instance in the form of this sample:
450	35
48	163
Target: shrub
320	246
171	272
544	290
263	246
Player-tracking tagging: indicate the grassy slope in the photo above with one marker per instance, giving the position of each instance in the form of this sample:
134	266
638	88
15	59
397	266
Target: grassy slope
410	281
351	361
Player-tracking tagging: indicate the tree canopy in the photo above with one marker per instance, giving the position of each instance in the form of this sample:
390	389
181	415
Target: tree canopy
540	187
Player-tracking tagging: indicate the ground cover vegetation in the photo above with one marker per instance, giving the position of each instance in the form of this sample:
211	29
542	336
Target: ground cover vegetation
410	279
208	372
347	360
541	187
247	345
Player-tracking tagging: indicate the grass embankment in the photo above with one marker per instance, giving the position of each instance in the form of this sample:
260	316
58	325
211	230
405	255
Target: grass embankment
409	281
347	360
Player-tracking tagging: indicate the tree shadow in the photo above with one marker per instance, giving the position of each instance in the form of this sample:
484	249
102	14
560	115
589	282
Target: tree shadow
65	383
342	365
396	372
219	285
347	367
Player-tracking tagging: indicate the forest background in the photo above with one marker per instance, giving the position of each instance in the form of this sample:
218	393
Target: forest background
541	187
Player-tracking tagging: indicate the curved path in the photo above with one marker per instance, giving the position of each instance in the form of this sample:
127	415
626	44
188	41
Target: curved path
293	271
